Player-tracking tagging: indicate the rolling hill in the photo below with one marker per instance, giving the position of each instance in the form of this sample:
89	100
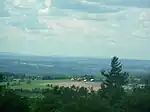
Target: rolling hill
30	64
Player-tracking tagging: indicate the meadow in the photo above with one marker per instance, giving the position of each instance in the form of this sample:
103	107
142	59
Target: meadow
43	84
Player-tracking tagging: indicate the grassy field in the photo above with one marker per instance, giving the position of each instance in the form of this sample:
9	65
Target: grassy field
34	84
43	83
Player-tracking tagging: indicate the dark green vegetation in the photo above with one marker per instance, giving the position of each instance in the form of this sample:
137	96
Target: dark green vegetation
112	97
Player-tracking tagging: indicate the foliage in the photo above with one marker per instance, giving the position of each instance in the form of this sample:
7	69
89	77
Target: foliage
111	98
115	78
2	77
29	81
11	102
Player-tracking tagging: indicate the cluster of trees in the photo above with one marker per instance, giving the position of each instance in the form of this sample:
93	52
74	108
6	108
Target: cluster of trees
11	76
83	77
110	98
53	77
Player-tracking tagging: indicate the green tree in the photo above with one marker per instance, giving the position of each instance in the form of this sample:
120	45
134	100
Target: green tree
11	102
112	87
8	84
2	77
115	78
138	101
1	80
29	81
50	103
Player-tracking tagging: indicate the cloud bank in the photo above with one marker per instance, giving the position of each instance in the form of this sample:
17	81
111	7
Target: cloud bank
98	28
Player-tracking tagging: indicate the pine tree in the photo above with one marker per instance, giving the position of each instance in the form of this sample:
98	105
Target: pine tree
112	87
115	77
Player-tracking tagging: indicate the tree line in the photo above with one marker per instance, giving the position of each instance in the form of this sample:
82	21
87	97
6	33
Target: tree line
110	98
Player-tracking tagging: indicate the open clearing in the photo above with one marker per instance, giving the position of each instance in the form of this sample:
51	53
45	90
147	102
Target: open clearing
76	83
43	83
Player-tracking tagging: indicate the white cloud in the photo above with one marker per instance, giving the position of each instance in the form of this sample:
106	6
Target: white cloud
101	28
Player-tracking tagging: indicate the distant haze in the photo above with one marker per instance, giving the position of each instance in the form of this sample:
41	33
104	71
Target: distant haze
40	65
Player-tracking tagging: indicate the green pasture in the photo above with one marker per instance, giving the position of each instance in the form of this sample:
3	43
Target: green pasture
33	84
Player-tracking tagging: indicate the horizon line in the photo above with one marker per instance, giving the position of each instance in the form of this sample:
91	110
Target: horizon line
96	57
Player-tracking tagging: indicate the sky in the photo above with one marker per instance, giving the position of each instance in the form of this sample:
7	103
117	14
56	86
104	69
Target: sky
91	28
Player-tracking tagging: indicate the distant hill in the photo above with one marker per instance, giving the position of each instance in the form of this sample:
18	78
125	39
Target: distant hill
30	64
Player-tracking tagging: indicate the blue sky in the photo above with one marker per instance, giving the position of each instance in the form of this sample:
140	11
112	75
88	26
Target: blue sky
95	28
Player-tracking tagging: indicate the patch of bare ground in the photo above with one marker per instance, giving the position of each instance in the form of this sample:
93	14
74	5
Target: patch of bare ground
95	85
